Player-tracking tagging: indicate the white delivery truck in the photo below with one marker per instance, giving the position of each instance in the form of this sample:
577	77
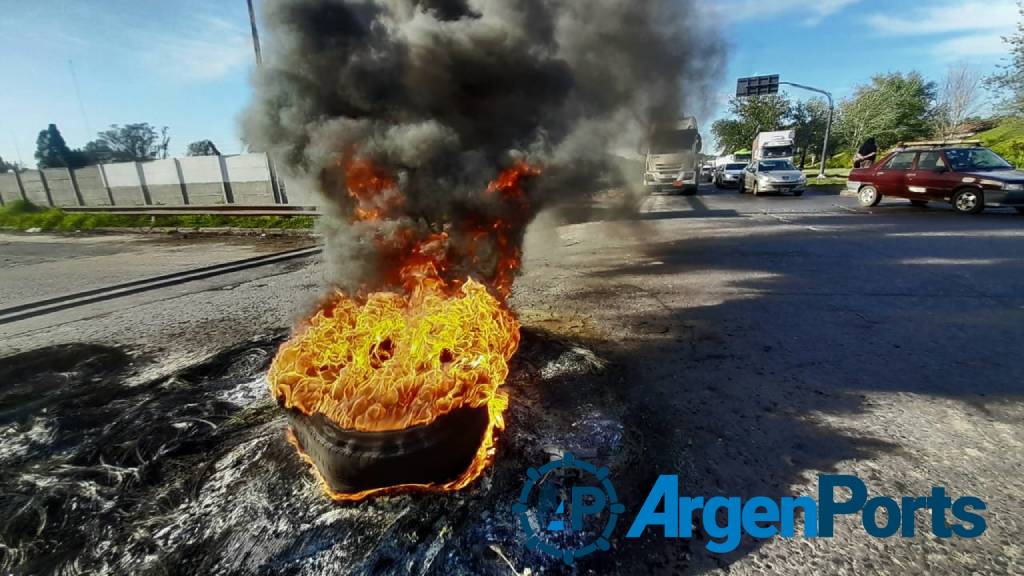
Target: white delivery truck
672	157
779	145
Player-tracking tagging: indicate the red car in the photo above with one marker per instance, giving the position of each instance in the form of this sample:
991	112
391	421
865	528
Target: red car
970	177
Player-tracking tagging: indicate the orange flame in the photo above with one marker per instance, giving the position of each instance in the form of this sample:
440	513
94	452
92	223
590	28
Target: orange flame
390	361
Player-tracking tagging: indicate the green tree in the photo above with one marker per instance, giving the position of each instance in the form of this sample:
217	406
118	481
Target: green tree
893	108
202	148
51	149
749	117
129	143
810	119
1010	81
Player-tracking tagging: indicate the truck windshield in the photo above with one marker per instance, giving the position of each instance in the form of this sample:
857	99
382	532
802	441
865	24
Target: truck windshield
777	152
976	159
774	165
673	141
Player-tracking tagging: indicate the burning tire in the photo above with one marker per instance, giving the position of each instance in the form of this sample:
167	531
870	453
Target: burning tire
350	461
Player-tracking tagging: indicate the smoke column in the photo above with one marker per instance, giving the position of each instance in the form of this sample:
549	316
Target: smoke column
443	95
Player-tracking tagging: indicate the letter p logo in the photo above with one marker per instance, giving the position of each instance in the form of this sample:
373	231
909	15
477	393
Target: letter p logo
586	501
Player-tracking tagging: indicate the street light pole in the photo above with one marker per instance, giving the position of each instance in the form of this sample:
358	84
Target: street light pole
255	34
828	127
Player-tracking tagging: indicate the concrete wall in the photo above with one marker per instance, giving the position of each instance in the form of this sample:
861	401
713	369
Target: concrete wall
62	189
301	191
249	177
203	180
35	189
125	184
198	181
91	186
9	190
162	182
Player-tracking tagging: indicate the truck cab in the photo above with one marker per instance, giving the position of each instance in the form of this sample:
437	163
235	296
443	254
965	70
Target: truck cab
778	145
672	157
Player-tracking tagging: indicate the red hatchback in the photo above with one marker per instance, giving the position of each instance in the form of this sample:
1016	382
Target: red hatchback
968	177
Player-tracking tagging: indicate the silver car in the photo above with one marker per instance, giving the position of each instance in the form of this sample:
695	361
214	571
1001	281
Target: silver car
773	176
728	175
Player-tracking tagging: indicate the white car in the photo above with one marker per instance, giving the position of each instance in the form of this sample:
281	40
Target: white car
771	176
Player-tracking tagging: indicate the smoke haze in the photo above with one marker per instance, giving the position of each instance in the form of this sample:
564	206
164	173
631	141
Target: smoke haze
445	94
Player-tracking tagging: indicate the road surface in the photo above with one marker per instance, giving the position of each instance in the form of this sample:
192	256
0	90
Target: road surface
762	341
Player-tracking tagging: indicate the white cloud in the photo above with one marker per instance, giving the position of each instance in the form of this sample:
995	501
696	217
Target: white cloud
960	29
208	50
949	17
813	11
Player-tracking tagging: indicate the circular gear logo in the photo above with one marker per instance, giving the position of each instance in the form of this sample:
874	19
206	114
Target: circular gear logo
568	509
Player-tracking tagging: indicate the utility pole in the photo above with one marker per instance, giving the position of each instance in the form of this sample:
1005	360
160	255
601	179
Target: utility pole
280	195
255	34
767	85
828	127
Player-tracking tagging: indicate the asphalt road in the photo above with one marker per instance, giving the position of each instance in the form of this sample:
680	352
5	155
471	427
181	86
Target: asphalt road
763	341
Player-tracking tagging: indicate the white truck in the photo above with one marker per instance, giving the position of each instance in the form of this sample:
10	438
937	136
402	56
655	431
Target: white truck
672	157
778	145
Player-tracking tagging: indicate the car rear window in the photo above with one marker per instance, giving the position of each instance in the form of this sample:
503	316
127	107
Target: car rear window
901	161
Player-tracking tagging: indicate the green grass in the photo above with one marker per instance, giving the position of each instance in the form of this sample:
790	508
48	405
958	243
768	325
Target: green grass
22	215
1007	140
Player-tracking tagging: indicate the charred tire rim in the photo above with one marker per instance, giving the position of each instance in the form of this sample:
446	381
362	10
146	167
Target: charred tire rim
351	461
968	202
868	196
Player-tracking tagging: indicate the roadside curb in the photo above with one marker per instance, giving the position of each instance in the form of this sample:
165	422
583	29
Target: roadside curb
177	230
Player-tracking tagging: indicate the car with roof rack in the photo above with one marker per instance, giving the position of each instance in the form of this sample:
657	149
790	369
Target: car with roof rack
964	173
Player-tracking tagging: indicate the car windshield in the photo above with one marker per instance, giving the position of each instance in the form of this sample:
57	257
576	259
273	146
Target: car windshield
735	166
777	151
673	141
775	165
976	159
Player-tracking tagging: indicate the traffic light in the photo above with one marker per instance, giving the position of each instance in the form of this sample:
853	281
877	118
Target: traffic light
757	86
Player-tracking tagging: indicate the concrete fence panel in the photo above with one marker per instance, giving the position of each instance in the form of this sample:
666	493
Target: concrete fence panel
125	184
35	187
91	186
203	180
62	189
161	179
9	190
249	177
301	191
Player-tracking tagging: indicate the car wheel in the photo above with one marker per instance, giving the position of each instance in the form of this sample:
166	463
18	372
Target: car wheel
756	190
919	203
869	196
798	193
969	201
741	186
1020	210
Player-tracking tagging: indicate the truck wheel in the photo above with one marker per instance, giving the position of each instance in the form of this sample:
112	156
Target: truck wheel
869	196
968	201
919	203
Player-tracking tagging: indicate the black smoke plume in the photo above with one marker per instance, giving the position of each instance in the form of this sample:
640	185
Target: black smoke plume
444	94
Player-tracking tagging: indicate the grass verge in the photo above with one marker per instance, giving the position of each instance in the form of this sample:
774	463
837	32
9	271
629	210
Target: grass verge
22	215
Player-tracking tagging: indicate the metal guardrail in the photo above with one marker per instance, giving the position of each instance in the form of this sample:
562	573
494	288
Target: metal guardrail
189	210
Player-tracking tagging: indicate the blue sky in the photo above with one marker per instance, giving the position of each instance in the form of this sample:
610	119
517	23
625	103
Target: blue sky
185	64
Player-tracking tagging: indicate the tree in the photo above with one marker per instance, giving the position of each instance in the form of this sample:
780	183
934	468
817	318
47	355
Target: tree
202	148
1010	82
52	151
959	99
892	108
130	143
810	120
750	116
